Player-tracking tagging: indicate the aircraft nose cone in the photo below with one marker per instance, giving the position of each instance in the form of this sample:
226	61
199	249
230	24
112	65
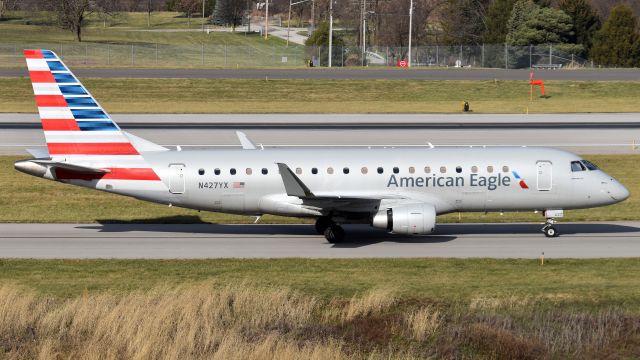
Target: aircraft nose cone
619	192
622	193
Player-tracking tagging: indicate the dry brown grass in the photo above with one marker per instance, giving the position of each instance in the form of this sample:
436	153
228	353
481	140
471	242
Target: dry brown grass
209	321
424	322
198	322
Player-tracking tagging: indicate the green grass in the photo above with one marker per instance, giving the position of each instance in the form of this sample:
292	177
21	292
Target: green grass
37	200
156	46
587	283
337	96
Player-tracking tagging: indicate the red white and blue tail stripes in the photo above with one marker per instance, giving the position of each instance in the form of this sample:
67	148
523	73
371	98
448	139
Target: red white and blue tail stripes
77	129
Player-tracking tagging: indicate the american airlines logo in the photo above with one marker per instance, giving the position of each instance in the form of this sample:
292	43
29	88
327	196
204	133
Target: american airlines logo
474	180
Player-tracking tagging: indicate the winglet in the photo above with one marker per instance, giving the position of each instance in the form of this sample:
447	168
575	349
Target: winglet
244	140
292	184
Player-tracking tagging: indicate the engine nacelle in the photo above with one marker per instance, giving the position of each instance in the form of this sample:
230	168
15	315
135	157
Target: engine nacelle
411	219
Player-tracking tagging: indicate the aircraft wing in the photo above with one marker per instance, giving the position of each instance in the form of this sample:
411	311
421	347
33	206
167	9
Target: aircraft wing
330	200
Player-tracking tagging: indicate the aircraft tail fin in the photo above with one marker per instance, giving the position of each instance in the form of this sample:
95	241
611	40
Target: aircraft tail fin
74	124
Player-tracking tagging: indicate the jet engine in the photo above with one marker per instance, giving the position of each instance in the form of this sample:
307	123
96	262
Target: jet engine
411	219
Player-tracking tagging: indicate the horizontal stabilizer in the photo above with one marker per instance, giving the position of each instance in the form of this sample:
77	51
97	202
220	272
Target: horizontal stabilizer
292	184
39	153
244	141
71	167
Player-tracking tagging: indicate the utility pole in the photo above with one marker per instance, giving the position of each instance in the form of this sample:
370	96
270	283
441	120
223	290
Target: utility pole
364	31
266	20
289	24
313	17
330	30
203	1
410	26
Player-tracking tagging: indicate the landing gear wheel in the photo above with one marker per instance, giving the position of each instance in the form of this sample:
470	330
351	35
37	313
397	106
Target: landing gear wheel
334	234
550	231
322	223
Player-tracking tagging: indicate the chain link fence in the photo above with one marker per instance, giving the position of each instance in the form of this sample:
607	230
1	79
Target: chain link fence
231	56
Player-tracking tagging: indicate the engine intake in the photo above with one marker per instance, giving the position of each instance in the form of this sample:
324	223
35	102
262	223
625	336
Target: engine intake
411	219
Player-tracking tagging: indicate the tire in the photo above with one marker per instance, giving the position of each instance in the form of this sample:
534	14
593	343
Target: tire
334	234
550	232
322	223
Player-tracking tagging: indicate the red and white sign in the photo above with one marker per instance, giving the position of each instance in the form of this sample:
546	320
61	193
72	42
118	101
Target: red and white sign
402	63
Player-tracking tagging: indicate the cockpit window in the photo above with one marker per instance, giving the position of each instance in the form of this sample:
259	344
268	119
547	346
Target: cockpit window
589	165
577	166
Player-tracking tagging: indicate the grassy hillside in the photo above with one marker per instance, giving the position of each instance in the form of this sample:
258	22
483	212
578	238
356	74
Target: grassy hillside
320	309
58	202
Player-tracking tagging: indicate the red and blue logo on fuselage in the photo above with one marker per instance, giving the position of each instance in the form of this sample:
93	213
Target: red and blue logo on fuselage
520	181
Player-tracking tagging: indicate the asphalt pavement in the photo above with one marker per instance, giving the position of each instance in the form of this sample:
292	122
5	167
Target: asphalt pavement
581	133
353	74
197	241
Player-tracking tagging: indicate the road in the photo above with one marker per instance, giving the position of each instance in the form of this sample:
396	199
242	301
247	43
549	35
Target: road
584	134
352	74
169	241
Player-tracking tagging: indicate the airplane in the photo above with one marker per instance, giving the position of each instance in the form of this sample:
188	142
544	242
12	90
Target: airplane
400	190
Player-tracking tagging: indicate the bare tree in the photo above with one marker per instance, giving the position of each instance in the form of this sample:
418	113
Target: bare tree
6	5
72	14
189	7
106	10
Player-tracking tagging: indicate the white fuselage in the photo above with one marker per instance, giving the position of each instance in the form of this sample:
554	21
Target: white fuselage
451	179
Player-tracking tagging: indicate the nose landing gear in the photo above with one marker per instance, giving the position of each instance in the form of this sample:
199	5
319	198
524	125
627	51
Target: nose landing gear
548	229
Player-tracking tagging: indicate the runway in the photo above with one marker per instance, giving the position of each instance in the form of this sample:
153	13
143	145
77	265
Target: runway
353	74
580	133
196	241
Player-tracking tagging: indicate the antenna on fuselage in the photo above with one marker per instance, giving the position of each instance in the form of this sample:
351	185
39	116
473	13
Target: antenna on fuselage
431	146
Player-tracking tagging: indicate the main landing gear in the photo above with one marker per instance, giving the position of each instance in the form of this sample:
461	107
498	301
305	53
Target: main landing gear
332	231
548	229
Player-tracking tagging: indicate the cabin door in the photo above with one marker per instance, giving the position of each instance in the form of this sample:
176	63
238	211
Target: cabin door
545	175
176	178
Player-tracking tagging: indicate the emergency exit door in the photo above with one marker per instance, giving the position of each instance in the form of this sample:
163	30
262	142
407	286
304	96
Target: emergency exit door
176	178
545	175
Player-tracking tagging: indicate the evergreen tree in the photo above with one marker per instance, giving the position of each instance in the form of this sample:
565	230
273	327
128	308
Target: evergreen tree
618	42
497	18
584	19
531	24
320	38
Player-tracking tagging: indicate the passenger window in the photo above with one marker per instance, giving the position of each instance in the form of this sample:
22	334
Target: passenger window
427	169
458	169
265	171
364	170
248	171
216	171
330	170
396	170
489	169
299	171
443	169
505	169
380	170
577	166
314	171
589	165
345	170
232	171
474	169
201	171
412	170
